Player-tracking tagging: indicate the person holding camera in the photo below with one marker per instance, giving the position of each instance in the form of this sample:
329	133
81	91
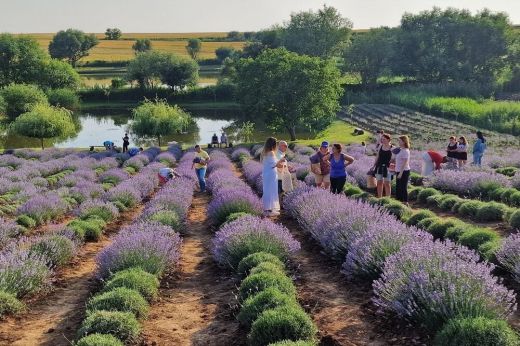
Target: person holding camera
200	163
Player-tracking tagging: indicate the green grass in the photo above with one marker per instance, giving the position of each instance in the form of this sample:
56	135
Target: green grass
337	132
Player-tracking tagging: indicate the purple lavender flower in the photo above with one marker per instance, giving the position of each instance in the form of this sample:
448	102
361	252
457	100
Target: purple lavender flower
233	200
465	182
509	255
166	158
239	153
114	176
43	208
104	210
250	234
432	282
8	231
150	246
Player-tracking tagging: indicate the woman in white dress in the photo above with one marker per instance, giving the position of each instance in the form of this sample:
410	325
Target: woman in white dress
269	178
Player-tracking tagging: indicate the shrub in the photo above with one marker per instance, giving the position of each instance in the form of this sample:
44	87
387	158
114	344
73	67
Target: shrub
422	214
514	199
267	267
167	218
514	220
491	211
434	201
425	193
259	282
269	298
413	193
489	250
505	197
122	325
253	260
496	195
476	331
56	249
509	255
416	179
96	208
65	98
509	171
136	279
251	234
90	229
294	343
233	200
119	299
469	208
448	201
455	232
478	236
26	221
438	228
398	209
352	190
283	323
21	98
486	188
99	340
9	304
235	216
432	282
425	223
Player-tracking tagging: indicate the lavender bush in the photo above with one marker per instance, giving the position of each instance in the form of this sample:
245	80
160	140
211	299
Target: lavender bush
233	200
248	235
97	208
43	208
432	282
509	255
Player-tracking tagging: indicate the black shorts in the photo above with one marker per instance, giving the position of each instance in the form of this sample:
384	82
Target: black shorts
280	190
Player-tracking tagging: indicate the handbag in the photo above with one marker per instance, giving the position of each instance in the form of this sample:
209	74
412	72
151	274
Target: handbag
371	181
287	183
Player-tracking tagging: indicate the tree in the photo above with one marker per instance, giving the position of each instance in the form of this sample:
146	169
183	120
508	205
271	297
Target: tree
174	71
225	52
370	54
44	121
71	45
289	90
235	36
56	74
452	44
113	34
193	47
142	45
157	118
178	72
21	98
324	33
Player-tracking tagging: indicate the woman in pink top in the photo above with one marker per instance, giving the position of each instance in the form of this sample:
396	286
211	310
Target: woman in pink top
402	169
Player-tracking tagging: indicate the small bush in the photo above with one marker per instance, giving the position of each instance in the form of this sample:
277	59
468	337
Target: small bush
26	221
136	279
168	218
103	211
448	202
426	223
455	232
90	229
65	98
508	171
434	201
514	199
352	190
438	228
398	209
476	331
253	260
489	249
269	298
514	220
122	325
267	267
506	195
491	211
416	179
119	299
21	98
474	238
496	195
283	323
422	214
486	188
235	216
258	282
425	193
99	340
469	208
9	305
56	249
413	193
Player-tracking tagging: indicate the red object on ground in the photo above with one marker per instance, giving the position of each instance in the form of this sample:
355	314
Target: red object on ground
162	180
436	158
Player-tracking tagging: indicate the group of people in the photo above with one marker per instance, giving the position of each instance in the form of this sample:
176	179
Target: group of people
223	140
110	145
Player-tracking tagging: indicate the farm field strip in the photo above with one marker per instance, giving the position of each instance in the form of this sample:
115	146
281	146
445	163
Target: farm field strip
297	202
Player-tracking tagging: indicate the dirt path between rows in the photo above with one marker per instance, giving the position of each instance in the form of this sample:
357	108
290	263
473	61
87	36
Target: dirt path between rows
196	306
54	319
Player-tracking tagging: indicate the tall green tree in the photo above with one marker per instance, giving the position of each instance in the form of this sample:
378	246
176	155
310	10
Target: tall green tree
290	91
323	33
142	45
370	54
71	45
44	121
157	119
113	34
193	47
145	69
452	44
21	98
225	52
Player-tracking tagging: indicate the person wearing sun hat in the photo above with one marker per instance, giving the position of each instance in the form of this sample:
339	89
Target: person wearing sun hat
320	166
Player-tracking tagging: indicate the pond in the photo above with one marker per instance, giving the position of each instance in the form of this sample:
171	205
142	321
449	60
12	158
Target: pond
96	127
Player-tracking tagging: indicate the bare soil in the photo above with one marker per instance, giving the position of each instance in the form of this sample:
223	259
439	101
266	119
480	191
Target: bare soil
54	319
197	305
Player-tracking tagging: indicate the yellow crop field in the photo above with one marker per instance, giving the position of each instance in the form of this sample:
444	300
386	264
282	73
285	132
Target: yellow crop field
167	42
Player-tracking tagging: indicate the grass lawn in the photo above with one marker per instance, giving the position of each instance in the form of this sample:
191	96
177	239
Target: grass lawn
337	132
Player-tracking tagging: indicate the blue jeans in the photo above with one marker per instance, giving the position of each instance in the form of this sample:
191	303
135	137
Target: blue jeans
477	159
201	174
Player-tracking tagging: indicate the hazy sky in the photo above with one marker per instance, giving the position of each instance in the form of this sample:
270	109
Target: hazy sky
210	15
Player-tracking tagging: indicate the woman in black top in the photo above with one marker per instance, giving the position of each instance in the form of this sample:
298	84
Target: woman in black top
451	151
126	143
382	165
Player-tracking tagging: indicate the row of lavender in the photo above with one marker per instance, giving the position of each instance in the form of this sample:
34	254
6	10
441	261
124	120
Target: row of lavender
437	284
257	250
27	264
131	266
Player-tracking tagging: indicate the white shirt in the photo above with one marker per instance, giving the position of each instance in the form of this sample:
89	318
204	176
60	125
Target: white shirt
402	160
461	147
